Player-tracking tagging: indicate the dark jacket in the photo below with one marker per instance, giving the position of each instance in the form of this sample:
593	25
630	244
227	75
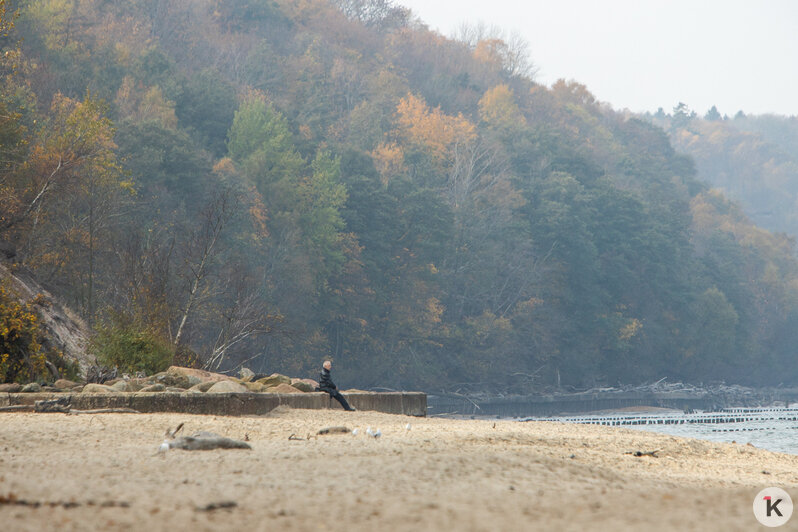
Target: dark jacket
325	382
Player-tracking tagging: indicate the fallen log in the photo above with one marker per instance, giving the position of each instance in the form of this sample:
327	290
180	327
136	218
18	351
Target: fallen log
206	441
74	412
334	430
644	453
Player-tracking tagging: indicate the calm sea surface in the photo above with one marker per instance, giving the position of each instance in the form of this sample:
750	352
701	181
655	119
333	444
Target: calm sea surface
775	429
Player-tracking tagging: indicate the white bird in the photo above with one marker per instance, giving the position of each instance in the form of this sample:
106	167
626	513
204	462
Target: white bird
369	431
377	433
354	432
164	447
407	427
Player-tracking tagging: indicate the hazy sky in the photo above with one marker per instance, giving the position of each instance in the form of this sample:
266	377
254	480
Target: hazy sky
645	54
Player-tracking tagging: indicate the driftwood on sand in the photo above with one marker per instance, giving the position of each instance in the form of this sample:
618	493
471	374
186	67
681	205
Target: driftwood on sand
205	441
644	453
333	430
201	441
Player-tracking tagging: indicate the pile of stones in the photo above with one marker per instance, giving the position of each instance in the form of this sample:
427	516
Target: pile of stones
176	379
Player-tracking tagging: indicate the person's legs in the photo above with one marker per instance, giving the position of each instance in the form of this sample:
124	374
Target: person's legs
341	399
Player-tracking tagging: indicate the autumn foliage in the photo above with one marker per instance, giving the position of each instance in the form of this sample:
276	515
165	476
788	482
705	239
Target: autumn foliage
22	356
267	183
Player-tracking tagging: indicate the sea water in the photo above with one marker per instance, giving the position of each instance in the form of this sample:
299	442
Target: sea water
775	429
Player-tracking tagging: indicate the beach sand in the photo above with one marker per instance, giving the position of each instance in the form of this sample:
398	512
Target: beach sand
439	475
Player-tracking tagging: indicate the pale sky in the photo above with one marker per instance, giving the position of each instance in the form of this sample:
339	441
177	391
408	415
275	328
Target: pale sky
645	54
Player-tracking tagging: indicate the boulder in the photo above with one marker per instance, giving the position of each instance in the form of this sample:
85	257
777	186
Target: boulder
253	386
97	388
135	385
274	379
140	382
33	387
302	386
157	387
311	382
122	386
200	374
174	389
246	374
282	388
173	379
10	387
64	384
201	387
227	387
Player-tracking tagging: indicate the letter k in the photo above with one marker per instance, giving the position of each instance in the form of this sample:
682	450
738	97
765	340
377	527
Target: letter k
773	507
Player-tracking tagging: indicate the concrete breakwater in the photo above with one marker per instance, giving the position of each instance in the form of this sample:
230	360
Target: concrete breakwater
575	403
228	404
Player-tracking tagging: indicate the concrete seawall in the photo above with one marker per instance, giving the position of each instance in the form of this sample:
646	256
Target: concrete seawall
229	404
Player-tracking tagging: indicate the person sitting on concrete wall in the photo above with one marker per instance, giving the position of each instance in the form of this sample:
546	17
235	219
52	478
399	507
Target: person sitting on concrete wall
327	385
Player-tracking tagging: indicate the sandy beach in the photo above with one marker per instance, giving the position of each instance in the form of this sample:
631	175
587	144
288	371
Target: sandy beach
103	472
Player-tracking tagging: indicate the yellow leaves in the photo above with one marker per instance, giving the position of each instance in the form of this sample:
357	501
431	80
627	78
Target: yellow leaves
417	127
434	310
432	128
151	105
258	214
305	132
630	329
487	328
79	132
126	97
55	16
530	304
6	22
155	107
488	322
490	52
711	211
129	187
497	108
19	332
122	52
389	160
224	167
572	92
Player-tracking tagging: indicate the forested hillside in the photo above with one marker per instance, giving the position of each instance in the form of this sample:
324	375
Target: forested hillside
271	182
752	159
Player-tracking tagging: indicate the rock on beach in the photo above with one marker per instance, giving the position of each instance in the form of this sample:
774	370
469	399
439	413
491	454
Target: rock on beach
227	387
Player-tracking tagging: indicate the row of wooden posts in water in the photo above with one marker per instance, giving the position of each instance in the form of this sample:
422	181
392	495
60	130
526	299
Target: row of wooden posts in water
732	415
